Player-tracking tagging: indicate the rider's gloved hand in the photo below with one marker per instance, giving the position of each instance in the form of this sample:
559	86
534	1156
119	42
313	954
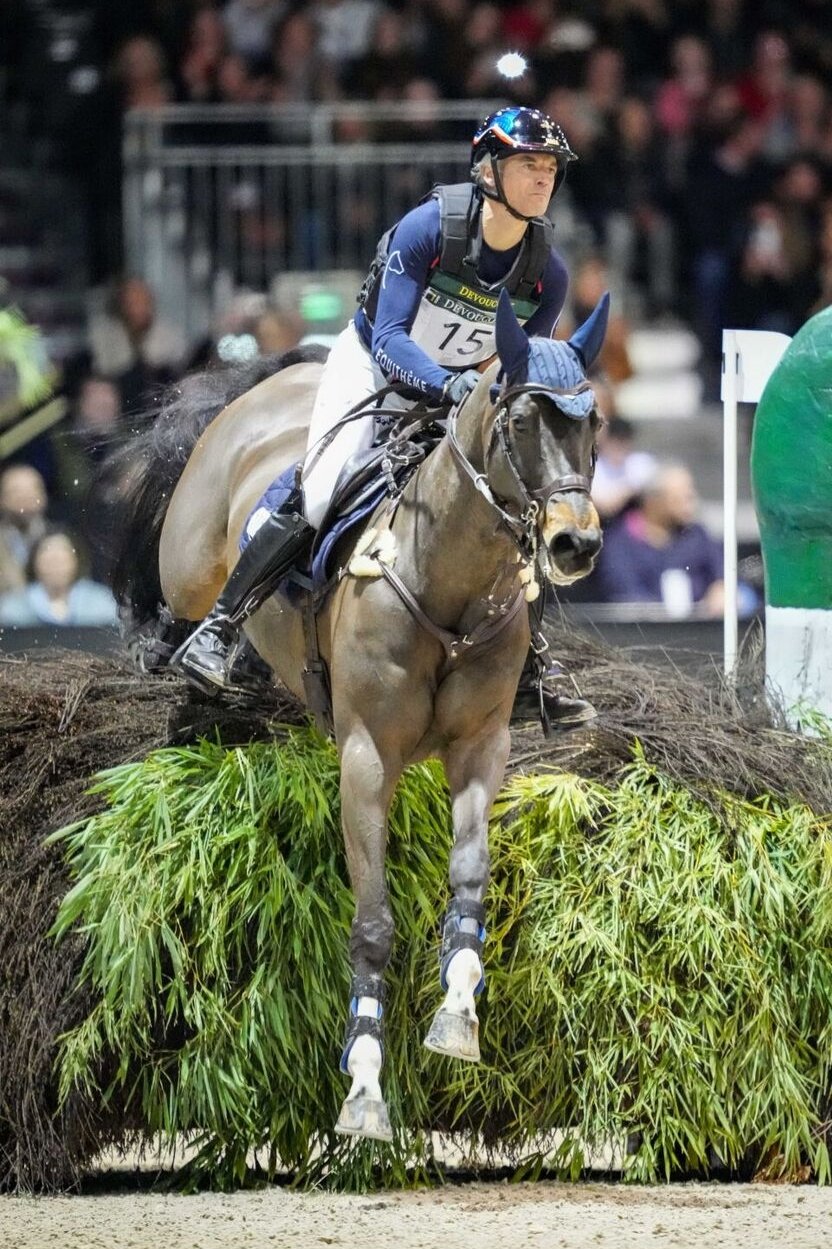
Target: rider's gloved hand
459	385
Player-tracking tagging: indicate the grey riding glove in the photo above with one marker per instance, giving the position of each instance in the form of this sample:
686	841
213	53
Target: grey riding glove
459	385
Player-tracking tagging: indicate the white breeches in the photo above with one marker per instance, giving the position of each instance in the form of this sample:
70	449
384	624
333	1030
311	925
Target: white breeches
350	375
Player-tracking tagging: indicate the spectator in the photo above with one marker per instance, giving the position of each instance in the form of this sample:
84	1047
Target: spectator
388	64
236	86
604	85
724	26
807	112
682	97
591	280
764	290
765	89
141	75
621	472
480	51
91	143
87	491
641	30
649	246
656	552
445	33
300	71
346	28
811	36
203	56
525	24
725	178
130	344
23	503
56	594
249	25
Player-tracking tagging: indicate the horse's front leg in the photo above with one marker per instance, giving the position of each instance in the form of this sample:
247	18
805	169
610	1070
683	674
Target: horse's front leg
366	790
475	772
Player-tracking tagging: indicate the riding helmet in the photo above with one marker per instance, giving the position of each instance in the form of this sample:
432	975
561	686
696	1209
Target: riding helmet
518	129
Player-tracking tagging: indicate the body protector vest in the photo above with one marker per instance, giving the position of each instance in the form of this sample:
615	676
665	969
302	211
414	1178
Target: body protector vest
454	323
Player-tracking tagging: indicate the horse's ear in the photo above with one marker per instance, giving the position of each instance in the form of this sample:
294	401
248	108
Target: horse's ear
588	338
512	343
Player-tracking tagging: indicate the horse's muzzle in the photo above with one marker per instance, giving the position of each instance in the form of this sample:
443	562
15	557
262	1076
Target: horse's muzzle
573	551
571	532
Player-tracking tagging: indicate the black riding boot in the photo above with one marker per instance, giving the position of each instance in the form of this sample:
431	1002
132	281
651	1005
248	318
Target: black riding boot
207	657
538	698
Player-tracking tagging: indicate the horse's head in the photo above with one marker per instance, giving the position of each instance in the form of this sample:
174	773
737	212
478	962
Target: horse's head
540	455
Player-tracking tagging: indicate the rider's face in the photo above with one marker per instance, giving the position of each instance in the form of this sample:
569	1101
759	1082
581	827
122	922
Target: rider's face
528	181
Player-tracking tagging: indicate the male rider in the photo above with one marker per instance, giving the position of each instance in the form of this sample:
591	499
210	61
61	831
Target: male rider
425	320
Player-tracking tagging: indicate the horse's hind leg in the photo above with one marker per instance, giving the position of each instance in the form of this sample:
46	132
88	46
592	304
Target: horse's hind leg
475	772
366	790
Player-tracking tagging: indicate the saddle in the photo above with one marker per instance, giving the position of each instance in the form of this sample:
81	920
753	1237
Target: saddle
365	480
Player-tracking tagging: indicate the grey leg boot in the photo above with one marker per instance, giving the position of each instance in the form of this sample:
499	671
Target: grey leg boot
208	655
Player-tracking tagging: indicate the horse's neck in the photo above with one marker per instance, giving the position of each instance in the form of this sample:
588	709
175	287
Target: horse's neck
453	553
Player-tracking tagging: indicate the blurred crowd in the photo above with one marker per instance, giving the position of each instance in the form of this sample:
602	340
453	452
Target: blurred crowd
703	127
704	131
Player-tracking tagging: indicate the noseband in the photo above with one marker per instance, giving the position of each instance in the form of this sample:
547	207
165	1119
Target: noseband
522	527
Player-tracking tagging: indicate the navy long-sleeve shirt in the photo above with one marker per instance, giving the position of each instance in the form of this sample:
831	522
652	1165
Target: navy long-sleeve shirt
414	249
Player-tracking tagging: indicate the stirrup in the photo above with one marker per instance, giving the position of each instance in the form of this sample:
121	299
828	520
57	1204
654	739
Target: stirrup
455	939
364	1025
564	713
228	644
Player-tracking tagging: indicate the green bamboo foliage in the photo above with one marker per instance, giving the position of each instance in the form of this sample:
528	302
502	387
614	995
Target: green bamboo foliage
659	971
22	348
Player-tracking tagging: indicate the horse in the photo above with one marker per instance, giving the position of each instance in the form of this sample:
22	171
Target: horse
423	634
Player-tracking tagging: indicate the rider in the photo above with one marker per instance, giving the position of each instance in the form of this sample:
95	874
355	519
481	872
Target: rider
426	318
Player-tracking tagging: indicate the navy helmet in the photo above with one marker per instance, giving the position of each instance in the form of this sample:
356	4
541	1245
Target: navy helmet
517	129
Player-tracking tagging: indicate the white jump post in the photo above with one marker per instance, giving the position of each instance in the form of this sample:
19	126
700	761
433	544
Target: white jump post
749	357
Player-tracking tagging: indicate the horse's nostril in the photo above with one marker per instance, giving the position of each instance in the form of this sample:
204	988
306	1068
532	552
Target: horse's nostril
575	542
564	544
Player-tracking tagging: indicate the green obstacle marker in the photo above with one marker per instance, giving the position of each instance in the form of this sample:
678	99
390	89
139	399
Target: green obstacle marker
791	474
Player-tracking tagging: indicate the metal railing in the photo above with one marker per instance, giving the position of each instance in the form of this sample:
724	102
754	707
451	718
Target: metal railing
223	197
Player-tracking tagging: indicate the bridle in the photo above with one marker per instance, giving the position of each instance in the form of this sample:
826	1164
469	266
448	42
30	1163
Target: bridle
522	528
498	612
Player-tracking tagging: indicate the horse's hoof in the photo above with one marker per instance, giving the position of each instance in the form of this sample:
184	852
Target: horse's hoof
454	1035
365	1116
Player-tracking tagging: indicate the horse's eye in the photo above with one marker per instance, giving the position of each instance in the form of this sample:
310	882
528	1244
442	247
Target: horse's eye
522	420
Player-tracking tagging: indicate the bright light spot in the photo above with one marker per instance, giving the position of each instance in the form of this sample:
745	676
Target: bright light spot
512	65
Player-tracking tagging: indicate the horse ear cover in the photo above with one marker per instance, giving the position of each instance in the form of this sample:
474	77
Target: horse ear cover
512	343
588	338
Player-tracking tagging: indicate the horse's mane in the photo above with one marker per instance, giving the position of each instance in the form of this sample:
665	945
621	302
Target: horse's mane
151	463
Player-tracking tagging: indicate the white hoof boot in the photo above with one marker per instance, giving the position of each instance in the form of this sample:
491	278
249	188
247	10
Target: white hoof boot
455	1029
364	1112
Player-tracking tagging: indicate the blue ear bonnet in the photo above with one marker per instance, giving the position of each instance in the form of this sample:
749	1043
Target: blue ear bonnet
554	363
549	362
557	364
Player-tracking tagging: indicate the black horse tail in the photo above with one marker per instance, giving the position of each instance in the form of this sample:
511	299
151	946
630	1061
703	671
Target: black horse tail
152	462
